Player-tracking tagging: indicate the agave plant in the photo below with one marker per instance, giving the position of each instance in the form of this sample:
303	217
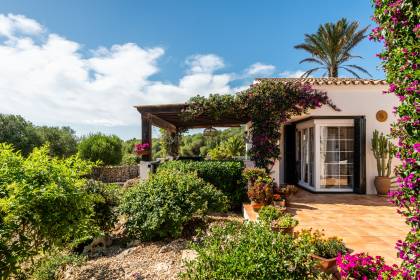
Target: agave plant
330	47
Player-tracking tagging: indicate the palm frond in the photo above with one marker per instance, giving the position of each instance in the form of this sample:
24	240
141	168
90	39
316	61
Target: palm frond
351	71
311	59
310	71
361	69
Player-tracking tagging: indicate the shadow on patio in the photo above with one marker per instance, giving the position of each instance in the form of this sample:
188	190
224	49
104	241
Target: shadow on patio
367	223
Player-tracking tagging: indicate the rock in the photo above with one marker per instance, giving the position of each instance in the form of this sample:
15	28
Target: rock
126	252
175	245
98	245
188	255
134	243
131	183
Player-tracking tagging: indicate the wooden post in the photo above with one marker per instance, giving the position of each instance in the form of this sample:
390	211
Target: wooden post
146	134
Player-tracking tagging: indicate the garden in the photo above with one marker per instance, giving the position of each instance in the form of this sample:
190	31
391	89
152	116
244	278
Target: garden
184	221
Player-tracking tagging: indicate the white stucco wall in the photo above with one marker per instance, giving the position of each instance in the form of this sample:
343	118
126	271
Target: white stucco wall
355	100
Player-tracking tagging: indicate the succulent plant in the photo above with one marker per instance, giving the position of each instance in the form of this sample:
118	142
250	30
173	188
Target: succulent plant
383	150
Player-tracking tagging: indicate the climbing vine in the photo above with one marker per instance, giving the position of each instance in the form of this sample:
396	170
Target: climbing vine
399	29
267	105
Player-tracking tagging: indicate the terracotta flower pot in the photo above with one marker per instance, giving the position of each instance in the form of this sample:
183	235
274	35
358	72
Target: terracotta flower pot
256	206
325	265
382	185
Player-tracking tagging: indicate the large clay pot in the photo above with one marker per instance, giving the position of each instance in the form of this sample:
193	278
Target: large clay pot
325	265
382	184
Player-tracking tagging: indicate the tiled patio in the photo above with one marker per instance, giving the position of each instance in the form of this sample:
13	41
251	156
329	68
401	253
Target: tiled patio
367	223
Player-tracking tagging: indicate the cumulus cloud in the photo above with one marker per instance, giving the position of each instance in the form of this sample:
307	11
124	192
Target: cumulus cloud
260	69
50	79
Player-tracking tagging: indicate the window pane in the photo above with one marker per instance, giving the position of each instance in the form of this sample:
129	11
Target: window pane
346	132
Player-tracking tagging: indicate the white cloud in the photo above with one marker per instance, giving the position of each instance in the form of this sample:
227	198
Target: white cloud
292	74
11	25
49	80
260	69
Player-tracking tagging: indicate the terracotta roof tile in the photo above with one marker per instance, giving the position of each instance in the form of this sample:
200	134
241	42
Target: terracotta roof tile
327	81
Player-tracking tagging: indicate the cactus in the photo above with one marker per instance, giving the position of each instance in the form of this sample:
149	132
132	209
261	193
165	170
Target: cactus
383	150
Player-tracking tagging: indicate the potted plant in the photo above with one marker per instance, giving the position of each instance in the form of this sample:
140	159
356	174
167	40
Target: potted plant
268	214
383	151
287	192
142	149
285	223
251	174
279	200
260	194
324	250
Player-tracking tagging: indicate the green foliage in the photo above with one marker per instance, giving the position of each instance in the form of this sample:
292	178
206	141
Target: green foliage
267	105
103	148
20	133
232	147
269	213
251	174
160	206
285	221
322	246
224	175
106	198
330	47
61	141
47	267
42	204
383	150
250	251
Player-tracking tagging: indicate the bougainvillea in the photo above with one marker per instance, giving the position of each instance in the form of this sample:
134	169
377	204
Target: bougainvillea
267	105
362	266
399	29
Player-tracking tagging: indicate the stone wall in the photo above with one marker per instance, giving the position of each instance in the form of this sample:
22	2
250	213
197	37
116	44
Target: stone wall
115	174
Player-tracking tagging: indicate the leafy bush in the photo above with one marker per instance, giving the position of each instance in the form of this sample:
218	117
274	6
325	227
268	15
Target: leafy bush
48	267
61	141
249	251
103	148
106	198
224	175
267	214
232	147
285	221
160	206
251	174
43	204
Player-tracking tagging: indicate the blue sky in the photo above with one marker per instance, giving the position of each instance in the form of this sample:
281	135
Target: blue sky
184	48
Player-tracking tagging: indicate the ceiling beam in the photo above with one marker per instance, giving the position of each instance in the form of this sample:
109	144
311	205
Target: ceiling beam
156	121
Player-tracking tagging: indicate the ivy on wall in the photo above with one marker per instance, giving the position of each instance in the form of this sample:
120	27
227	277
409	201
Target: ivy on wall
267	105
399	30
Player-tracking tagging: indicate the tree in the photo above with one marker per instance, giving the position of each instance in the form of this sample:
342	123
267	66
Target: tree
228	149
330	47
20	133
100	147
62	141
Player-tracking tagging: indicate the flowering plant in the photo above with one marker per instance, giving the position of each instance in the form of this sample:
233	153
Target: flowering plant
261	192
399	29
140	149
277	197
364	267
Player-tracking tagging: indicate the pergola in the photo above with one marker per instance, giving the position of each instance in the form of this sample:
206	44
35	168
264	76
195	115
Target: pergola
168	117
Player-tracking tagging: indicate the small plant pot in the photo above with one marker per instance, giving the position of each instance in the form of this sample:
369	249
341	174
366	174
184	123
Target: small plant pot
325	265
256	206
382	184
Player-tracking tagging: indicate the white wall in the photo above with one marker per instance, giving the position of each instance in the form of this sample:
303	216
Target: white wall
356	100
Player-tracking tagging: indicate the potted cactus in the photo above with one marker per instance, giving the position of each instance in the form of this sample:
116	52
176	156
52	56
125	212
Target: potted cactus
383	151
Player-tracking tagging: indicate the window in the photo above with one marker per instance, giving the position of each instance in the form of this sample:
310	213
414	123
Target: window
325	153
336	154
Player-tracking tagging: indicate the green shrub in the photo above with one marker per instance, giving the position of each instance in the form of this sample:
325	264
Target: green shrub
160	206
103	148
326	247
106	198
285	221
61	140
47	268
250	251
267	214
224	175
43	204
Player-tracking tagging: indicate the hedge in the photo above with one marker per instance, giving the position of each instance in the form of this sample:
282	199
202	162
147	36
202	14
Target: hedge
224	175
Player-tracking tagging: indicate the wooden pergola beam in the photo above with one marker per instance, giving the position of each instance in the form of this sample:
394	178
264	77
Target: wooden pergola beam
146	134
156	121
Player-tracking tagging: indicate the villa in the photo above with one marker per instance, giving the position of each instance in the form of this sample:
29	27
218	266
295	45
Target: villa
323	151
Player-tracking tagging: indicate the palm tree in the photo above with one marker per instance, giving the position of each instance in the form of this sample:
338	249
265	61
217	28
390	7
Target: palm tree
330	48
